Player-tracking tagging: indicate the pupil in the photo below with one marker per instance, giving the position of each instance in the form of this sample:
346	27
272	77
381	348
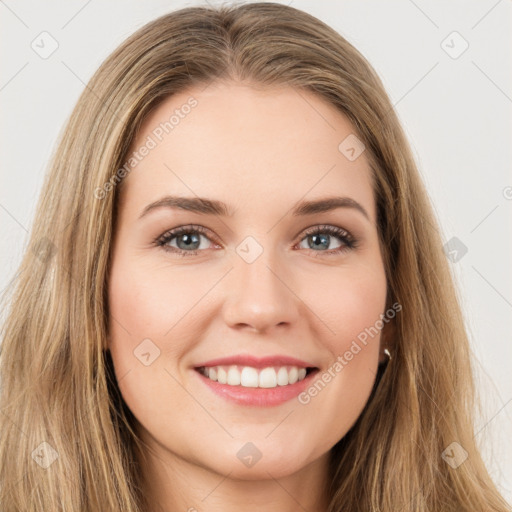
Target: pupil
323	240
188	240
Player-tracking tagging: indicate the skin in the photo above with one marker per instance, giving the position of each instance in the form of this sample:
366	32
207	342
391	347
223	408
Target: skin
260	151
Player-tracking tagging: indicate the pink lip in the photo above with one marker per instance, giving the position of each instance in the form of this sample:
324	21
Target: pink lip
260	397
255	362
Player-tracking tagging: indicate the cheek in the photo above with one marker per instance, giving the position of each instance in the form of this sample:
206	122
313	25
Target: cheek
360	305
349	302
146	301
143	309
353	301
155	302
137	314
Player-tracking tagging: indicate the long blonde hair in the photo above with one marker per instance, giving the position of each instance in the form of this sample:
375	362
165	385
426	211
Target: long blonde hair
67	440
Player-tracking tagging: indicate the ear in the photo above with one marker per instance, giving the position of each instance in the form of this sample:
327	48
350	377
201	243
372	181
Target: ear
387	340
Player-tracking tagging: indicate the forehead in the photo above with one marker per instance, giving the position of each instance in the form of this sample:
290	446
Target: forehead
246	146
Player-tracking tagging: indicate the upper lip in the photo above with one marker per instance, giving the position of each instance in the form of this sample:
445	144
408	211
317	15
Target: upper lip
257	362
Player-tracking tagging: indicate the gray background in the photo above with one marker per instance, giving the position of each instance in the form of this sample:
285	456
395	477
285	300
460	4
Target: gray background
455	107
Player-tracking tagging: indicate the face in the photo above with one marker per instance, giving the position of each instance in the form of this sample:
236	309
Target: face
262	279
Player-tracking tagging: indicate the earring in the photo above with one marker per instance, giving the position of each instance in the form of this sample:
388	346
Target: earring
386	351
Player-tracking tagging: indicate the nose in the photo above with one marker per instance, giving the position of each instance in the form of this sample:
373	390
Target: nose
260	296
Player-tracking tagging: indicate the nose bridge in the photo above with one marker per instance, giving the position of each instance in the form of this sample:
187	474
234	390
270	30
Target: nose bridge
259	289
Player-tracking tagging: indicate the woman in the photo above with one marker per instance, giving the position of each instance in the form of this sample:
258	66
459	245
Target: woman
235	293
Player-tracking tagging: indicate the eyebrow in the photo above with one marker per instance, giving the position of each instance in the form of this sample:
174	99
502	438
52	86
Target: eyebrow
206	206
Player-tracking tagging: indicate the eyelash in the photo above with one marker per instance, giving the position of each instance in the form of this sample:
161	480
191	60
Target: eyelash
349	242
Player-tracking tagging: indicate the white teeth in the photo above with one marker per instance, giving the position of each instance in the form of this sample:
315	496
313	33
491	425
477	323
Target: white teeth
222	376
293	376
282	376
249	377
268	378
233	376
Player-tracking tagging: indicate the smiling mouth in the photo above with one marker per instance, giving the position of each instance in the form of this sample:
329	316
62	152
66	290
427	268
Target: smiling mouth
250	377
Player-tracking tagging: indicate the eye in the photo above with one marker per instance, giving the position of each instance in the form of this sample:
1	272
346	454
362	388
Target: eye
186	240
321	237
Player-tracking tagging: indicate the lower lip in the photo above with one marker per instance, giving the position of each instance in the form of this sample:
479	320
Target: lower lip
259	397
